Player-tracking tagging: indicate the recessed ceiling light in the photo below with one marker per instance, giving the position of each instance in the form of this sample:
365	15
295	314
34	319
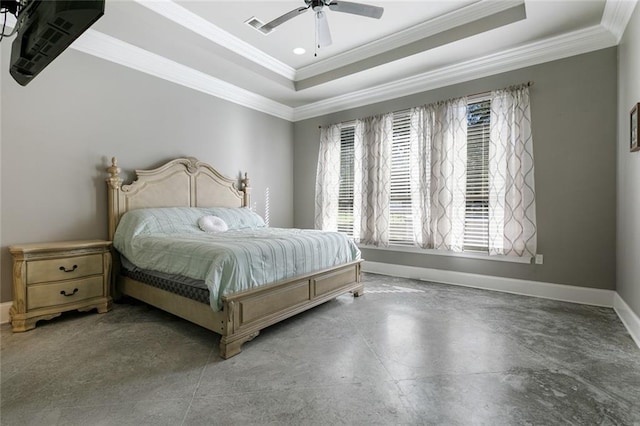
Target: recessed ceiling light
299	51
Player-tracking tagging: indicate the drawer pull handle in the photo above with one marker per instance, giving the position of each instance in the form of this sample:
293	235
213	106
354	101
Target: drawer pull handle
62	268
64	293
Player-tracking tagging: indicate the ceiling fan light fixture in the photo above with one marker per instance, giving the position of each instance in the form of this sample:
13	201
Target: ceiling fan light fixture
323	33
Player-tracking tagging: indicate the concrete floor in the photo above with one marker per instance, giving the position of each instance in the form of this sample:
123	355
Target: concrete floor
407	352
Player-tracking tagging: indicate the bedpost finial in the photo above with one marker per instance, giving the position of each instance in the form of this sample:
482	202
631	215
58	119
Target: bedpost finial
245	181
113	169
114	180
246	199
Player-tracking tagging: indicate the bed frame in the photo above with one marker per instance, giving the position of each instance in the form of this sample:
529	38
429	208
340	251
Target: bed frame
187	182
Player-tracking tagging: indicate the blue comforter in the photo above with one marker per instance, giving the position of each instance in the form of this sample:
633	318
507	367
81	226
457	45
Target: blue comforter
169	240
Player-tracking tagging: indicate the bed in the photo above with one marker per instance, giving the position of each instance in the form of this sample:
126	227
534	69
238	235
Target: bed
190	183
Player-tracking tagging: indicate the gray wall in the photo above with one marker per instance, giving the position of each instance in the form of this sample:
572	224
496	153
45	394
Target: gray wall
574	129
628	243
59	132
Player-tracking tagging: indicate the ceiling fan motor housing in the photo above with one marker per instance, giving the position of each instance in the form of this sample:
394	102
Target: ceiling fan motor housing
317	5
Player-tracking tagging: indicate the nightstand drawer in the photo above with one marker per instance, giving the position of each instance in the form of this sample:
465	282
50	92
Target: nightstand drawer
64	268
40	296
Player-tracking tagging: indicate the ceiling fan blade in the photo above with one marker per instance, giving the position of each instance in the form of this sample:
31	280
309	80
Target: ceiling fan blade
269	26
322	29
357	8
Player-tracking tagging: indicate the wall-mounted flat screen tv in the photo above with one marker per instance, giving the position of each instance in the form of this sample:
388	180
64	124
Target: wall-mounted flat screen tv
45	29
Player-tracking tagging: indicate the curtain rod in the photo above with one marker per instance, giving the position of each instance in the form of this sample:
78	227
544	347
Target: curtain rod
515	86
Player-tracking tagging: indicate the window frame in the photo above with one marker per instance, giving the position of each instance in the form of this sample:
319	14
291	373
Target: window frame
477	186
401	191
347	138
400	215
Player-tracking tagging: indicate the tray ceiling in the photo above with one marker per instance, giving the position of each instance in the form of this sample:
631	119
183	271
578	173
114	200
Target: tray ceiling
415	46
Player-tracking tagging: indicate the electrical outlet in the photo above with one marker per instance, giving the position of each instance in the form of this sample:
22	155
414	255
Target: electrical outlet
538	259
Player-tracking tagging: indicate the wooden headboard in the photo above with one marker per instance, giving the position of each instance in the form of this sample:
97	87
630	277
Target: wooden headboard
183	182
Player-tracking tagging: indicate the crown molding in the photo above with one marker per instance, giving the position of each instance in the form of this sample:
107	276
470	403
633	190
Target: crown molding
206	29
112	49
462	16
550	49
466	14
616	16
103	46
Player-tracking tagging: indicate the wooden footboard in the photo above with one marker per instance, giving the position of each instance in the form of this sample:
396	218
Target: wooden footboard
245	314
249	312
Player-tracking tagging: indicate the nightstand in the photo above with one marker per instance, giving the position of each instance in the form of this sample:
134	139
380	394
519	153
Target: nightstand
51	278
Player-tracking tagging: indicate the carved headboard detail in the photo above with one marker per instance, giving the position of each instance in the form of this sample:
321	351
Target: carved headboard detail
183	182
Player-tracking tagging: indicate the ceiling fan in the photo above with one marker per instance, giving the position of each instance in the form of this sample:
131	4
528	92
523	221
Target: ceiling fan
322	26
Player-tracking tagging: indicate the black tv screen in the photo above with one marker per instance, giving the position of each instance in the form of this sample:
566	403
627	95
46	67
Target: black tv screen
48	28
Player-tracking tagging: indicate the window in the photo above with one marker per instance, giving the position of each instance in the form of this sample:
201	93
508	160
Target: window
400	220
400	208
457	196
476	224
345	195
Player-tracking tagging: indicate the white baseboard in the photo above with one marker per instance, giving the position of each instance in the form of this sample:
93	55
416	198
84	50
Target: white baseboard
628	318
565	293
4	312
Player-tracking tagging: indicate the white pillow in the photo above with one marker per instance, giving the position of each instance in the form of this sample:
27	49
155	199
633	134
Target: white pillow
212	224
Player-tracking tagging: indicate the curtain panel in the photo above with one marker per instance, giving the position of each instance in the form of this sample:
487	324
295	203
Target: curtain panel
512	209
437	176
328	178
438	170
372	171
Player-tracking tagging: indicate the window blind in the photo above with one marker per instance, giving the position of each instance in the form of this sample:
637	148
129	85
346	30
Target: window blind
400	216
476	230
345	195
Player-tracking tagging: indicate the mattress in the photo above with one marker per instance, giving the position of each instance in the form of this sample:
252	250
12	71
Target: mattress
184	286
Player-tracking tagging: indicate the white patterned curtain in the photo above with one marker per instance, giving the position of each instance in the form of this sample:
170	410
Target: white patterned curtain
328	178
448	173
372	174
512	209
438	169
